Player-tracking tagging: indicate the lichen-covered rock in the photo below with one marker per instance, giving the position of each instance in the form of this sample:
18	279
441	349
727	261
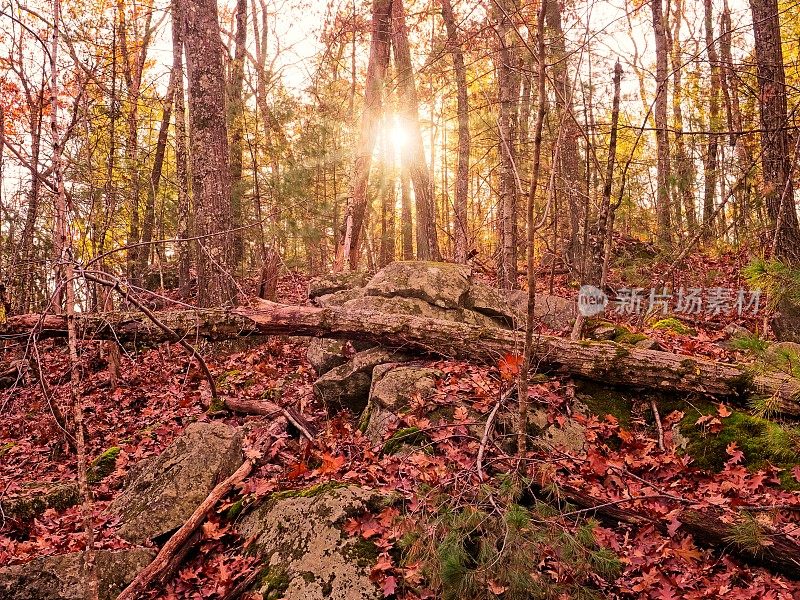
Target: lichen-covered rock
338	298
308	555
393	388
418	308
325	354
442	284
347	386
172	486
511	307
334	282
568	435
33	498
60	577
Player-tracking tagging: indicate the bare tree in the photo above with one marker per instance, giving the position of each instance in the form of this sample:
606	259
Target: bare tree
663	216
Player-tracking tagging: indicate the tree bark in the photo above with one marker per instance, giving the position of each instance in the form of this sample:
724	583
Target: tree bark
236	127
209	138
413	152
710	191
606	362
775	157
663	216
181	159
347	254
462	108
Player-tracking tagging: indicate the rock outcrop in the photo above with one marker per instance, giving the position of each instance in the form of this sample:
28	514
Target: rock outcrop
306	553
170	487
61	577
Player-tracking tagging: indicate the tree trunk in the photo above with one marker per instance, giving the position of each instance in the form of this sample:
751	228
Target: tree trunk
209	139
406	218
236	128
775	157
462	171
413	152
569	168
663	215
347	254
508	95
710	190
606	362
181	160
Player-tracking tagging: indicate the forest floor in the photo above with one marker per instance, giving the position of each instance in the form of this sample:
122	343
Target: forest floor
161	392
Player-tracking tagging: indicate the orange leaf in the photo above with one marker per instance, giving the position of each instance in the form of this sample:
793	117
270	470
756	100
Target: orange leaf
723	411
510	366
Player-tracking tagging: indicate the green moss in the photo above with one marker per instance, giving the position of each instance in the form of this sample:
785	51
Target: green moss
363	421
309	492
409	435
217	406
630	338
750	343
363	552
235	509
604	401
102	466
762	441
5	448
674	325
273	583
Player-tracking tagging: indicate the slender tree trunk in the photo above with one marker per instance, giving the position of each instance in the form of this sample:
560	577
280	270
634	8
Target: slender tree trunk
413	152
775	157
387	247
348	252
461	232
663	215
26	268
505	63
684	175
406	218
148	220
569	168
236	129
710	191
181	159
209	139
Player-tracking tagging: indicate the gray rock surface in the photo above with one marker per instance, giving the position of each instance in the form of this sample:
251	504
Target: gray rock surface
35	497
442	284
347	386
325	354
170	487
308	556
393	388
418	308
334	282
60	577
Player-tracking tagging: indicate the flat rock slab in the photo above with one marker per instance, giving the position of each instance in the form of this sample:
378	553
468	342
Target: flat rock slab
308	555
325	354
442	284
32	499
419	308
335	282
170	487
61	577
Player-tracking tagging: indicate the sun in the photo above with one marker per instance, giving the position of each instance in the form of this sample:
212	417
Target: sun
398	135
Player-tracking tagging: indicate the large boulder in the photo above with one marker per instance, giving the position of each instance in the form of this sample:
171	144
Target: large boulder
510	307
325	354
338	298
335	282
170	487
307	555
442	284
418	308
393	389
347	386
61	577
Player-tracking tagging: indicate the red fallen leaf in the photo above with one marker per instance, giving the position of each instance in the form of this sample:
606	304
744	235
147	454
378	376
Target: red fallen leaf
212	531
723	411
736	455
460	414
389	586
713	424
510	365
496	588
330	464
297	470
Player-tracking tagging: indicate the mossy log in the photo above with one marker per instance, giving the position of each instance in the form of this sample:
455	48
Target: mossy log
605	362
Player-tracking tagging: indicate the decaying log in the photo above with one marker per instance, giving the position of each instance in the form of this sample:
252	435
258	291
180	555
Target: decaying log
606	362
740	536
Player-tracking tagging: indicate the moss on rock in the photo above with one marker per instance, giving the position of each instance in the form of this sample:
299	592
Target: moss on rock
103	465
411	436
674	325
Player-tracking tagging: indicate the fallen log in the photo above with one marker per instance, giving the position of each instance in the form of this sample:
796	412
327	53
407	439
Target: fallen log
606	362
